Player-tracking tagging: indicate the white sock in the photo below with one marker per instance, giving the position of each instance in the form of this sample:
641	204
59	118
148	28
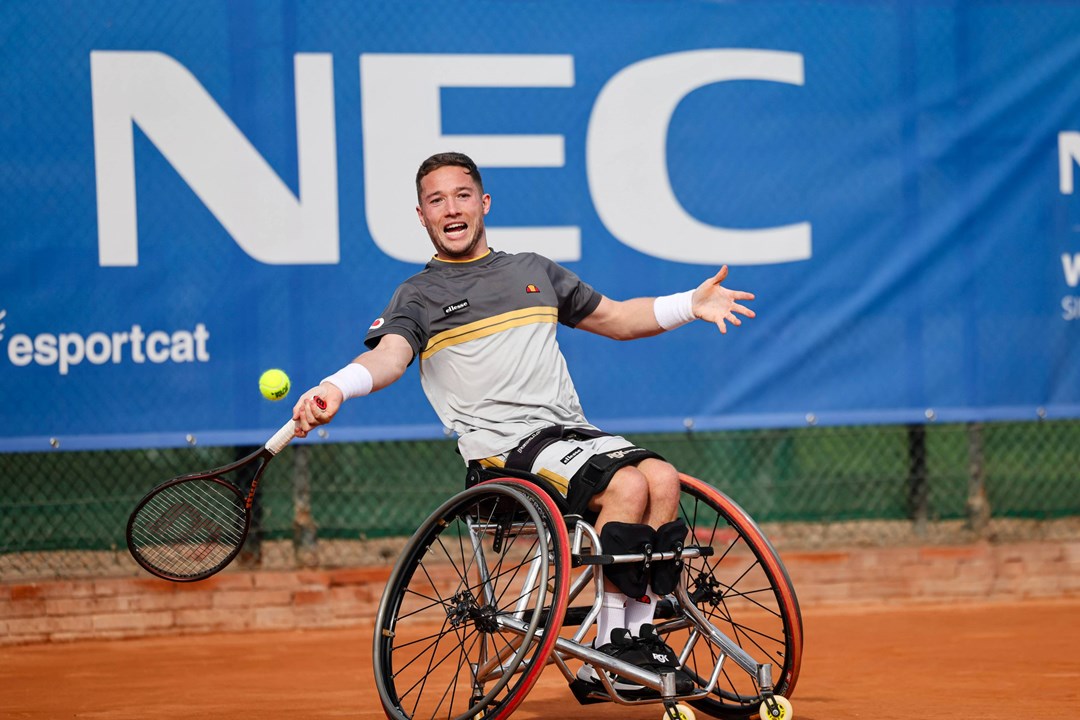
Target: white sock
612	615
639	612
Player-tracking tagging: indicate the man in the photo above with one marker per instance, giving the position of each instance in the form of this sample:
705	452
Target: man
483	325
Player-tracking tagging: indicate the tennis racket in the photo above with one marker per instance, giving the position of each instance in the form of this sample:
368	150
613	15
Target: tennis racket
192	526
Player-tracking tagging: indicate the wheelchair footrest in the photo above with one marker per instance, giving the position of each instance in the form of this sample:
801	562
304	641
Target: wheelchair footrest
586	693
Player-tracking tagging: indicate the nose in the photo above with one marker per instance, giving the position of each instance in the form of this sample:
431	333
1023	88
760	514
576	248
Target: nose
451	207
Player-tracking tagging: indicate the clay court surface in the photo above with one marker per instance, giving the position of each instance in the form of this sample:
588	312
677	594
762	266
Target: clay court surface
974	661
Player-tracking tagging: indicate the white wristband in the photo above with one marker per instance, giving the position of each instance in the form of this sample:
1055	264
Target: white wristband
674	311
353	380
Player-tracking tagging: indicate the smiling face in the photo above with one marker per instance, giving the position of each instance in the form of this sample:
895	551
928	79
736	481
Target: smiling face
452	209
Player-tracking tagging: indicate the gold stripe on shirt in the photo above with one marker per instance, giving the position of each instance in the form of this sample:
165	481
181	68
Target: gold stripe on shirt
489	326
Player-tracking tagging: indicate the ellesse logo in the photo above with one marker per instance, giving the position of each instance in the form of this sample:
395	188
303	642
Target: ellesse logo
455	306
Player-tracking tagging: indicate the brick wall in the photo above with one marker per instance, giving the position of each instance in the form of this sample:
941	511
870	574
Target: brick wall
241	601
966	573
232	601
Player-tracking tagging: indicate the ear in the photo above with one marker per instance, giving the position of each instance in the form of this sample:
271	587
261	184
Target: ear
486	200
420	215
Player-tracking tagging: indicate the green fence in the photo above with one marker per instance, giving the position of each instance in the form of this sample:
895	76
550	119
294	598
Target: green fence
63	513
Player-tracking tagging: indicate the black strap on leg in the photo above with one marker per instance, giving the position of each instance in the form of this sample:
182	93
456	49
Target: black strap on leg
665	573
618	538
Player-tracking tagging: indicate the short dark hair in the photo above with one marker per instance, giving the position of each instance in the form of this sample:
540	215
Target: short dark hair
453	159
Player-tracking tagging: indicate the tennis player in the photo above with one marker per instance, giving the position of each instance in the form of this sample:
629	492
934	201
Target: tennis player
483	325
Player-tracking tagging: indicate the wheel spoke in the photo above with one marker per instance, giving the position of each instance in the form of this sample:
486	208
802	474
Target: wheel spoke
441	652
743	591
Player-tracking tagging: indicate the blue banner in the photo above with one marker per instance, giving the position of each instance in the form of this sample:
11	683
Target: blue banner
193	193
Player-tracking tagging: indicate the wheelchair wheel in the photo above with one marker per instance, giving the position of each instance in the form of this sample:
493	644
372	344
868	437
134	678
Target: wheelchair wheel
474	606
744	591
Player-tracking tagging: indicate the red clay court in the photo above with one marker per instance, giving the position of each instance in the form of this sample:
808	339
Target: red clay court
988	660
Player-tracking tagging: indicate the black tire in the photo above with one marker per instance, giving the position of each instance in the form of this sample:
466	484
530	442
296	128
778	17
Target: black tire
438	621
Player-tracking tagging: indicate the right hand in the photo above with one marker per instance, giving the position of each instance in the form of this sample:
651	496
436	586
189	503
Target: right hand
308	415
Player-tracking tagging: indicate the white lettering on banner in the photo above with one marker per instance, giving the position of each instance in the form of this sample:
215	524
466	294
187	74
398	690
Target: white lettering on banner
98	348
237	185
626	155
1068	155
402	122
1070	307
1070	264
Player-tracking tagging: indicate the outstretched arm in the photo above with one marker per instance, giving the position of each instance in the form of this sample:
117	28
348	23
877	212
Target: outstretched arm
644	317
378	368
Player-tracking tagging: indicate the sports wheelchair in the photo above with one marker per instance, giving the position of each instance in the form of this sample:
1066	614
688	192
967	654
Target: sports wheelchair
499	582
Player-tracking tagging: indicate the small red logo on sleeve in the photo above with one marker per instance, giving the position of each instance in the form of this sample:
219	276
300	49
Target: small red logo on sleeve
531	289
379	322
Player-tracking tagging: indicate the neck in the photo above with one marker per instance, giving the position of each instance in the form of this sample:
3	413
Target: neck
475	256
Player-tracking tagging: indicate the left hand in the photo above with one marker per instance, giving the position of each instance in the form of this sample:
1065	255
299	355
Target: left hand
717	304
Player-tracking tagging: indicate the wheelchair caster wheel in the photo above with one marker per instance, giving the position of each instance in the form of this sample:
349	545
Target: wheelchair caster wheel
781	710
679	712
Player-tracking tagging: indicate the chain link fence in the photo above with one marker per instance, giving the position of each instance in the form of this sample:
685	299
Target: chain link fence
63	514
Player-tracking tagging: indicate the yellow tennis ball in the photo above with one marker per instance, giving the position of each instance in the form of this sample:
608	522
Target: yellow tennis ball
274	384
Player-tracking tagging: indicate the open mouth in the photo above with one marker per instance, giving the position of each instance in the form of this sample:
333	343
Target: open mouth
455	228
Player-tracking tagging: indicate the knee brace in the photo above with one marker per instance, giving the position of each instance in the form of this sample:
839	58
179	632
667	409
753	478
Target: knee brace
618	538
665	573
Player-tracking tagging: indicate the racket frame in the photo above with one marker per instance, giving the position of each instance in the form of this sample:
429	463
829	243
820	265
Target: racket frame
262	457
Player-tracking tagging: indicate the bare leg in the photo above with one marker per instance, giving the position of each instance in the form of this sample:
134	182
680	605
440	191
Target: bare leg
664	488
646	493
625	499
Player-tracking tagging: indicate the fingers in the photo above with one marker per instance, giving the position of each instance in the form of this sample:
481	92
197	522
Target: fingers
309	412
742	310
720	305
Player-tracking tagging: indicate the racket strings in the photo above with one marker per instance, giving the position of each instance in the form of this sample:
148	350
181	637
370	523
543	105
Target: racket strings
190	527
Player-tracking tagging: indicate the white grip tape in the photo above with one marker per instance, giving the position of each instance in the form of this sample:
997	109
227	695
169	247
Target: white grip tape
281	438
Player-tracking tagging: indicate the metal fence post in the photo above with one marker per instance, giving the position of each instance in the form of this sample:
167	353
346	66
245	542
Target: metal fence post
977	506
305	530
918	483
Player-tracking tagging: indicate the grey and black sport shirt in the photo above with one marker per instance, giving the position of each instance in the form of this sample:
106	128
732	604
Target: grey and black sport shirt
484	331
